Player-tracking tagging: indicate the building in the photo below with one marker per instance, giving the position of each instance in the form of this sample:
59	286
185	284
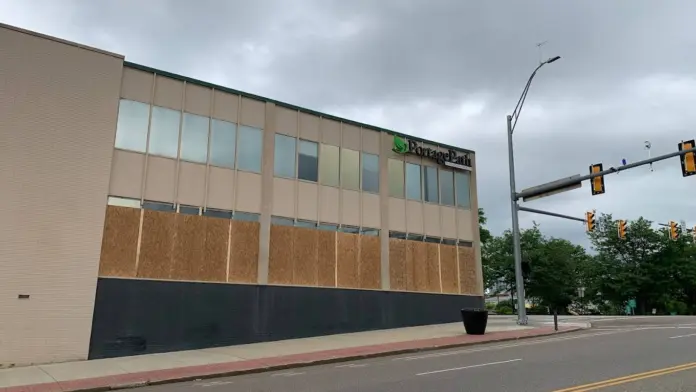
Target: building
149	212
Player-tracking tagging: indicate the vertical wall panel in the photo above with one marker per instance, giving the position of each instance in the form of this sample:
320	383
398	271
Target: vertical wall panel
431	220
191	184
119	242
347	260
307	201
370	211
329	207
414	216
214	267
226	106
220	188
370	141
197	99
168	92
283	197
350	207
397	214
244	252
280	255
419	252
136	85
448	219
326	269
309	127
253	113
397	264
248	196
350	137
448	266
305	256
330	132
156	244
126	174
369	262
161	173
286	121
464	225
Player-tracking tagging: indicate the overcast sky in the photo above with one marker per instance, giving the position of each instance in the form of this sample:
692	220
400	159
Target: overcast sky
447	70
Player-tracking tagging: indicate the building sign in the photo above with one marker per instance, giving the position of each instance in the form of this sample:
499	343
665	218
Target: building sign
449	158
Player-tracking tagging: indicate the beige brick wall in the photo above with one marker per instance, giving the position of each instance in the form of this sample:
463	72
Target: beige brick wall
58	104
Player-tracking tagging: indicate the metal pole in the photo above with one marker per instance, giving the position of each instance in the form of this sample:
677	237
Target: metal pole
516	249
535	211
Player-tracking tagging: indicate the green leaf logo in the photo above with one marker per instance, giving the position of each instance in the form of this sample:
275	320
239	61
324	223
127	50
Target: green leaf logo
400	145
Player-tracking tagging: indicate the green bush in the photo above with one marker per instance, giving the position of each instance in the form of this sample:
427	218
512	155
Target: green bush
503	309
490	305
506	303
538	310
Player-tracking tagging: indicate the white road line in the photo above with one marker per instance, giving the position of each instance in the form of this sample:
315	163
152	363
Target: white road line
502	346
469	367
352	365
683	336
215	383
287	374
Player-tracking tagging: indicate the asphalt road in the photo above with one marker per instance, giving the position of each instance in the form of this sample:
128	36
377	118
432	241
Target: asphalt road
651	354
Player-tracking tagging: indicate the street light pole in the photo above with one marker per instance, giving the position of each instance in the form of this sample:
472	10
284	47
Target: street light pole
516	247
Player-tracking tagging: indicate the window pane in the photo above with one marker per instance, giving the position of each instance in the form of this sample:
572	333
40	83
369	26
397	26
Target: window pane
447	187
396	178
250	147
131	129
164	132
370	173
194	138
308	161
329	165
462	182
350	169
223	137
284	161
246	216
282	221
413	181
430	184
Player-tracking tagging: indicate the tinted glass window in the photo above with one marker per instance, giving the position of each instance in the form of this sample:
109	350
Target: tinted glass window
350	169
223	136
413	181
430	191
284	161
164	132
308	161
370	173
329	159
249	149
194	138
131	129
462	182
446	187
396	177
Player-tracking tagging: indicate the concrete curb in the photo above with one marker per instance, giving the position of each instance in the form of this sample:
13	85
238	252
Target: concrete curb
266	368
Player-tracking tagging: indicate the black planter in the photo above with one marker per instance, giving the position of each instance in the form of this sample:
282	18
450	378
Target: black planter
475	321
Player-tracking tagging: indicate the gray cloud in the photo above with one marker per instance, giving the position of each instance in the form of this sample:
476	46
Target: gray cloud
449	70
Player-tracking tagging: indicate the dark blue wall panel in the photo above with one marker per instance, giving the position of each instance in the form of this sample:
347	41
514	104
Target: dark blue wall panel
134	316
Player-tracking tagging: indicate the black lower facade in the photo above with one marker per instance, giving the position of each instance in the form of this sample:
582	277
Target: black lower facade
133	316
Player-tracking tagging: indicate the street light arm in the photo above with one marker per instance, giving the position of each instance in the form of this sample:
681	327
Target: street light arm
523	97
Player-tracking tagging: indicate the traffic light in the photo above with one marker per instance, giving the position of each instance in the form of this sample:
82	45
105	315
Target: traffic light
590	221
622	229
597	182
673	231
688	160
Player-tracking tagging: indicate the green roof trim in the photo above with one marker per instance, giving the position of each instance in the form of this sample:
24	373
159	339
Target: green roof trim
287	105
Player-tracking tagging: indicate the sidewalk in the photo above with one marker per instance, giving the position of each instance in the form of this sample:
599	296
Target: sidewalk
114	373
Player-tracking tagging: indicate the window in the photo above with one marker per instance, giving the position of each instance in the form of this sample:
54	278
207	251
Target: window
463	187
446	187
215	213
164	132
308	161
413	181
223	136
284	161
397	234
281	221
306	224
189	210
250	149
155	206
246	216
349	229
327	227
329	160
396	177
430	191
131	129
123	202
370	173
350	169
415	237
433	240
194	138
369	231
